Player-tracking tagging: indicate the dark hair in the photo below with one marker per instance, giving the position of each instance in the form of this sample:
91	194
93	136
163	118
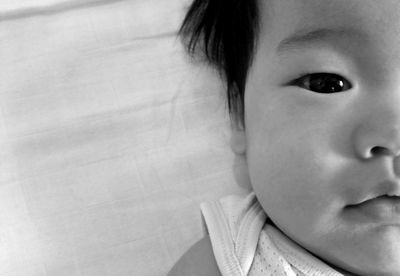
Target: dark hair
226	31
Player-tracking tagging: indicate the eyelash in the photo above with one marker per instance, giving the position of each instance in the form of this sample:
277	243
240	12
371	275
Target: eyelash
325	76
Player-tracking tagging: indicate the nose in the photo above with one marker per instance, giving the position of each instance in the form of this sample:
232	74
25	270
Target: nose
378	135
379	141
375	143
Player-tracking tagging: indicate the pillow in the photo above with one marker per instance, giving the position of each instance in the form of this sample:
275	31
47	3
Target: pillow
111	137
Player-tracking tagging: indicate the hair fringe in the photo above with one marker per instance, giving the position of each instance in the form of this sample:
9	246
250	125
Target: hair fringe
226	32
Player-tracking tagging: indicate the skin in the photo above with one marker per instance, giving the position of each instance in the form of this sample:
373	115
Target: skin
312	156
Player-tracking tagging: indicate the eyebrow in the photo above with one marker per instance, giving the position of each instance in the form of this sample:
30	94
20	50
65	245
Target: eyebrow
304	38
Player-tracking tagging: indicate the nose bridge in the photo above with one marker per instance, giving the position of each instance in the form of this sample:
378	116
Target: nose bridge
379	131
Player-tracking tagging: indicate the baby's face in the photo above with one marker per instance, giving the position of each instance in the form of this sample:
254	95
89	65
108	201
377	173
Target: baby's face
322	114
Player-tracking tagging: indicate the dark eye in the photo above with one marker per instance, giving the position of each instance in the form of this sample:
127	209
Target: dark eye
323	83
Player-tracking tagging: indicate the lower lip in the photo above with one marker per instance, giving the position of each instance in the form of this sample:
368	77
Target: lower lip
381	209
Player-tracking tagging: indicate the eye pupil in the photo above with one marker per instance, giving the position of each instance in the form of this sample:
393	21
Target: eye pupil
326	83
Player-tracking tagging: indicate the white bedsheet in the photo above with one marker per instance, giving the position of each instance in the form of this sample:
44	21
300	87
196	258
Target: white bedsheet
110	138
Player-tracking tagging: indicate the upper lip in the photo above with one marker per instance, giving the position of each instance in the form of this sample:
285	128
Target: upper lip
389	188
380	197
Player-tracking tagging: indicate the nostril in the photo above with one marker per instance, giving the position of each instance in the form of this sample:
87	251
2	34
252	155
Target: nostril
377	151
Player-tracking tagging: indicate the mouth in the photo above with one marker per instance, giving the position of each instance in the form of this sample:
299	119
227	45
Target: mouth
383	208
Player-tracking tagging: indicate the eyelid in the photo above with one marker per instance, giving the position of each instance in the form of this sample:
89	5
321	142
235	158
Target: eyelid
302	75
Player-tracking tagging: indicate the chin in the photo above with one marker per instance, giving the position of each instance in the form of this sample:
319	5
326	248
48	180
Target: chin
376	267
377	253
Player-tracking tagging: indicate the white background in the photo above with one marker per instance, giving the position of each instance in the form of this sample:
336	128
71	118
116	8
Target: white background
110	137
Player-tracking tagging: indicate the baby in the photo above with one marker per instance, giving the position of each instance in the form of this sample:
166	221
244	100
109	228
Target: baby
313	88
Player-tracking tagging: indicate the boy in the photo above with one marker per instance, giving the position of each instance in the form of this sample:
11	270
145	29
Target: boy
314	90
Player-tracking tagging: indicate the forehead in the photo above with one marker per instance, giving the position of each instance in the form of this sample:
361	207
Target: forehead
366	32
380	20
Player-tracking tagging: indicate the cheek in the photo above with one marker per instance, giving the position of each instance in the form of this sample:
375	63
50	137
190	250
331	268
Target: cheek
289	179
290	183
289	159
